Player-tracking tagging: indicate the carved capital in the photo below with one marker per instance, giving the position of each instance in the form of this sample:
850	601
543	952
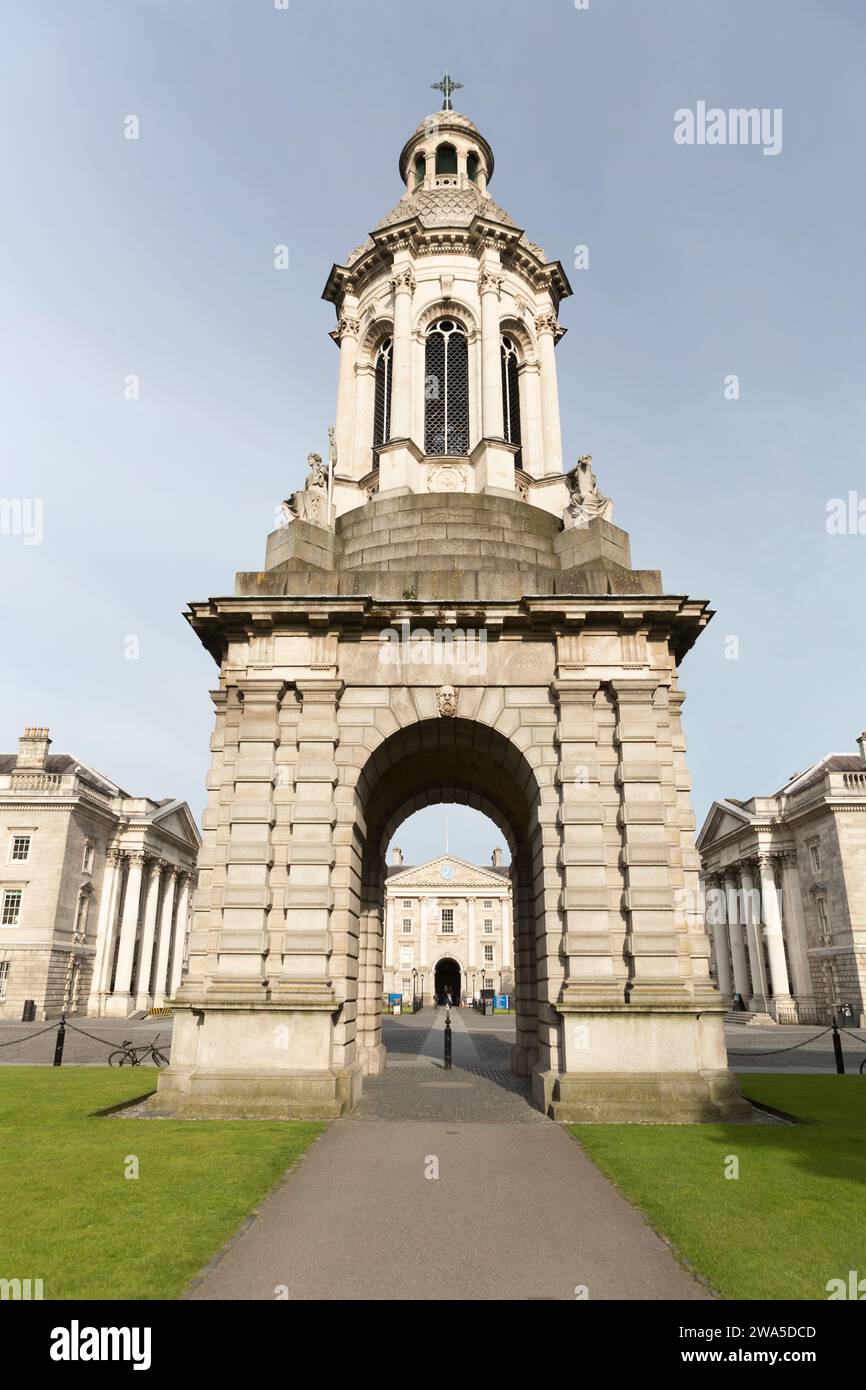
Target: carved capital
489	281
403	280
547	323
348	326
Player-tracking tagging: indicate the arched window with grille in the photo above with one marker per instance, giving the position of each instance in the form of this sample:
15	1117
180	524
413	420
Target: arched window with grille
472	166
420	169
446	159
511	397
382	405
446	389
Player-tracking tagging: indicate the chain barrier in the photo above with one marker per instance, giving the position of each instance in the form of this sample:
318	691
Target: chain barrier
113	1045
50	1029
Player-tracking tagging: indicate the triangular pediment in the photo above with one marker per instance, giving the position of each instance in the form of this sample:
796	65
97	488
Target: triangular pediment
175	818
444	872
723	819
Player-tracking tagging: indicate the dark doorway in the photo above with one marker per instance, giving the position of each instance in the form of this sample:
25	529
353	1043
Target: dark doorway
447	981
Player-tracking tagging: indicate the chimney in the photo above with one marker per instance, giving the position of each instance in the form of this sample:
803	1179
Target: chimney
33	749
396	855
497	857
861	744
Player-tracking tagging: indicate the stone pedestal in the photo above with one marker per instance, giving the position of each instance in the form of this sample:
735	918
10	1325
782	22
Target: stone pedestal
264	1061
651	1064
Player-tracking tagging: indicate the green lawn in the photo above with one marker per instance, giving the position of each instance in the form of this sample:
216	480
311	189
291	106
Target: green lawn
795	1216
71	1218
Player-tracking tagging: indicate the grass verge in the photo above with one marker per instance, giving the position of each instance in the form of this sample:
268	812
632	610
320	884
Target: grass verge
790	1222
72	1218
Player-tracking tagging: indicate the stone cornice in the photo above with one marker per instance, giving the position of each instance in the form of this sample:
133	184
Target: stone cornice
218	621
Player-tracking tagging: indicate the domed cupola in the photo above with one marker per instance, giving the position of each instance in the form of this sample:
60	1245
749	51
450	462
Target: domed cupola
446	324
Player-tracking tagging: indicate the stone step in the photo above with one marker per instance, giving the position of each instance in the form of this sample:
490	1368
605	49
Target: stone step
748	1018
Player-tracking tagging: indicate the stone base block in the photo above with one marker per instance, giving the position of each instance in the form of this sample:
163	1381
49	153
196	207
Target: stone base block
255	1061
373	1059
256	1095
672	1098
118	1006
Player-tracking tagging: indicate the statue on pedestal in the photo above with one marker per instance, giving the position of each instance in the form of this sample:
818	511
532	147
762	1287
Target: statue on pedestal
585	502
310	503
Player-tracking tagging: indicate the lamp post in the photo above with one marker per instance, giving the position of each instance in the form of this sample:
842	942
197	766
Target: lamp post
414	990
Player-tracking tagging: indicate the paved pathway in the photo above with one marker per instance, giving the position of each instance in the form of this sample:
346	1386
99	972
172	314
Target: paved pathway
517	1211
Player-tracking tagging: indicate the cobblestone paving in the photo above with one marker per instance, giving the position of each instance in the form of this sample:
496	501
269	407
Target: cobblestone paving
478	1087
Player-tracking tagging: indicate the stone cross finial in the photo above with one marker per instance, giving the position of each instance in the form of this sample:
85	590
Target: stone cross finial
446	87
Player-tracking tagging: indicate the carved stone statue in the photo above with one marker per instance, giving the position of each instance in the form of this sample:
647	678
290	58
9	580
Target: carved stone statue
310	503
585	502
332	447
446	700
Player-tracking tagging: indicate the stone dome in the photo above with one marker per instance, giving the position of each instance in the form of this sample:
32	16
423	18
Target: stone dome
445	207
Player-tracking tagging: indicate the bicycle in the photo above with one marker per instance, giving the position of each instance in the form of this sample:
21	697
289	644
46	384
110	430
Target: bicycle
128	1055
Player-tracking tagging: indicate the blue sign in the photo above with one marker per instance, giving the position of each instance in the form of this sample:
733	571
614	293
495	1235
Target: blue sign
395	998
501	1001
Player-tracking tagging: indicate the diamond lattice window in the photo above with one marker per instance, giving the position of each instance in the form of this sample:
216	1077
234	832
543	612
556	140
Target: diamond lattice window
511	398
382	408
446	389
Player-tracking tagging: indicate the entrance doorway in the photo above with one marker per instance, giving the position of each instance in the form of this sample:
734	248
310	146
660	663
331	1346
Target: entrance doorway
447	981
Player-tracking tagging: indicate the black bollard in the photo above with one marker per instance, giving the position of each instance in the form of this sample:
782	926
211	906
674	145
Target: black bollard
837	1048
61	1038
447	1042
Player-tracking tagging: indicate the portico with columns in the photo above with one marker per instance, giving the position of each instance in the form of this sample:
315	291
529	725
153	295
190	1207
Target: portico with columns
94	888
784	881
447	911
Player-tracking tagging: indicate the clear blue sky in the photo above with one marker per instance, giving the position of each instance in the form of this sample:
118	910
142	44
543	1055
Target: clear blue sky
261	126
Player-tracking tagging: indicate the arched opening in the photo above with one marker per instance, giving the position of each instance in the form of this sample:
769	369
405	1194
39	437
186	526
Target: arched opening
472	163
447	981
446	389
446	159
420	169
448	894
382	402
451	760
511	396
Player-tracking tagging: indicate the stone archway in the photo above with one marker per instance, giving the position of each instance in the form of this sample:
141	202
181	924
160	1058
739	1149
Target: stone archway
447	980
427	762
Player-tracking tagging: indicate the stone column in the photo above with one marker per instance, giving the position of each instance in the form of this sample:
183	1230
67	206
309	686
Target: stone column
716	921
119	1004
490	288
795	932
471	928
361	457
654	884
546	327
773	932
594	936
735	935
148	933
165	925
390	957
346	333
424	944
108	901
506	936
532	441
759	1001
179	942
403	285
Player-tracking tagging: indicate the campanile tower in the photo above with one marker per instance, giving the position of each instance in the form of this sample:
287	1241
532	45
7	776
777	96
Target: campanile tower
448	614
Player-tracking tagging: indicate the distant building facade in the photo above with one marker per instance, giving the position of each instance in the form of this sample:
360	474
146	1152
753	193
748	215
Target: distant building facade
94	888
785	893
448	929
